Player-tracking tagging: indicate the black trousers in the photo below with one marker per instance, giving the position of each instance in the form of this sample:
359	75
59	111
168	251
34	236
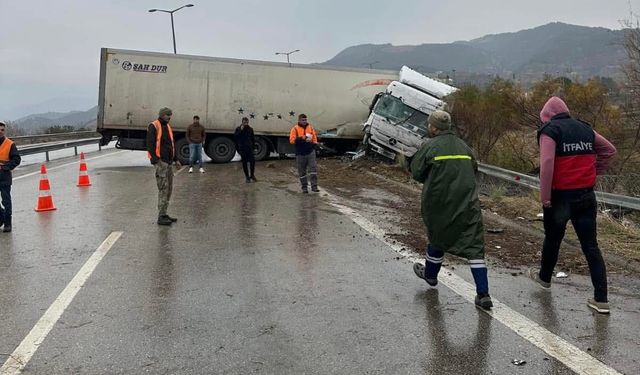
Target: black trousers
580	207
248	162
5	209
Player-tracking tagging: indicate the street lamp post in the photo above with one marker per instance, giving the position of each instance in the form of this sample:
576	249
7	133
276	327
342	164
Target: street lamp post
173	32
288	53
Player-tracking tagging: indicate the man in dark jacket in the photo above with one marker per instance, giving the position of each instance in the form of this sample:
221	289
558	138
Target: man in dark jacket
196	135
162	153
571	155
9	160
245	143
450	205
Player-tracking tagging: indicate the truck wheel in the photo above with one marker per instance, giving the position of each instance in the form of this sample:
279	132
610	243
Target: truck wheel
221	149
261	149
182	150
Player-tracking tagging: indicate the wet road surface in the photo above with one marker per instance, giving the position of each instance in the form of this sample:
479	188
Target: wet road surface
259	278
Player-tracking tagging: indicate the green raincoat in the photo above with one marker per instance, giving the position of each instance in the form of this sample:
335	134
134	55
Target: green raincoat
450	205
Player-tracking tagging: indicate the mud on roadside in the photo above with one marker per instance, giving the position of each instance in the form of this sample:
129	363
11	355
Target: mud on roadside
387	195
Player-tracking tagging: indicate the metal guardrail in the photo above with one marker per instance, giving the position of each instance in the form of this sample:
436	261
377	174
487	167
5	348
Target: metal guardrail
534	182
27	138
53	146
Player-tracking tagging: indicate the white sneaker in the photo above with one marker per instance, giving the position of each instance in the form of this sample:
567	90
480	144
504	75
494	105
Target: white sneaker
201	170
190	169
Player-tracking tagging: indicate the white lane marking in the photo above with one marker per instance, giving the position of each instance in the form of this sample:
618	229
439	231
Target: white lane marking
180	170
554	345
27	348
67	164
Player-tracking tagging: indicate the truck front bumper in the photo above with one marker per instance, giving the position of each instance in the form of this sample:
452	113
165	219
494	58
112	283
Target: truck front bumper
382	150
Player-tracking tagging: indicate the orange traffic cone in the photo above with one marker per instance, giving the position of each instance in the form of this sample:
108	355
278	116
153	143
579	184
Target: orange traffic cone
83	178
45	200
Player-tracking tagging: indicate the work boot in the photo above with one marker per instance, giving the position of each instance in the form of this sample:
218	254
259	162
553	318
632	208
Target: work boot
173	219
418	268
315	189
201	170
305	191
254	178
164	220
601	307
534	274
190	169
7	224
484	301
248	180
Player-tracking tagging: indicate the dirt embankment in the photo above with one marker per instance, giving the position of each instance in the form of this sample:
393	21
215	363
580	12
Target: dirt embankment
514	232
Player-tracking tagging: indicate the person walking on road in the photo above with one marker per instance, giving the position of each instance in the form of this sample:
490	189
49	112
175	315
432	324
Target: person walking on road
245	143
571	155
450	205
304	137
9	160
196	135
162	152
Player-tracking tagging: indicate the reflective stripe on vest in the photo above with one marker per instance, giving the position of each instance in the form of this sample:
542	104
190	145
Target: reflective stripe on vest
452	157
5	150
158	127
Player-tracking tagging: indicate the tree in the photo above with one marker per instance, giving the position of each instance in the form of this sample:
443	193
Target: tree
483	116
630	144
60	129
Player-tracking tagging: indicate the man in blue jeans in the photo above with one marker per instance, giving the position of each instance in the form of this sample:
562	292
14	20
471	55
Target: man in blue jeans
196	136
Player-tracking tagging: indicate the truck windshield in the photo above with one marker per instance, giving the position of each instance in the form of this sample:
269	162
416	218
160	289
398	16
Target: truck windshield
400	114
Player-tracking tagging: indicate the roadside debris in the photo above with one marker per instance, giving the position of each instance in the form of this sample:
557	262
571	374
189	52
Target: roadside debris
518	362
357	155
495	230
561	275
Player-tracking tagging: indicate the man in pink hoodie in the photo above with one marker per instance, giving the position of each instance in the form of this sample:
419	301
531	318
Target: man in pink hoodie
571	155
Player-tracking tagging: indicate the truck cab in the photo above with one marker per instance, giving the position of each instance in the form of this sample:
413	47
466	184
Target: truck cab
398	120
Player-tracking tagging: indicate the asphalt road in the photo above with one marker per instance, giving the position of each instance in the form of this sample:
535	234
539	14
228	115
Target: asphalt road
258	278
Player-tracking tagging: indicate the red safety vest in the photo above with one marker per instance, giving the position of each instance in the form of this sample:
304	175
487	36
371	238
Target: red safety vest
575	159
158	127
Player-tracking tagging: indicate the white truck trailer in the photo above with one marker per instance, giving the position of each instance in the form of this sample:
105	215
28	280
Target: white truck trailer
135	84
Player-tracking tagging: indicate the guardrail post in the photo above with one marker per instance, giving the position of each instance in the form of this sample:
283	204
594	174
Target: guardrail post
75	150
99	147
47	153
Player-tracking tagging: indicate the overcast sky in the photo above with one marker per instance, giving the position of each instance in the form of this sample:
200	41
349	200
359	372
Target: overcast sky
49	49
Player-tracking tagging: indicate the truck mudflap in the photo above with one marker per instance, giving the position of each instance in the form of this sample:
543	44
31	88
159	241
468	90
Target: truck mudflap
132	144
106	138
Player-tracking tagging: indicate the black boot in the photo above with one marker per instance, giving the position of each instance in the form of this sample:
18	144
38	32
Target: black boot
173	219
7	225
164	220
